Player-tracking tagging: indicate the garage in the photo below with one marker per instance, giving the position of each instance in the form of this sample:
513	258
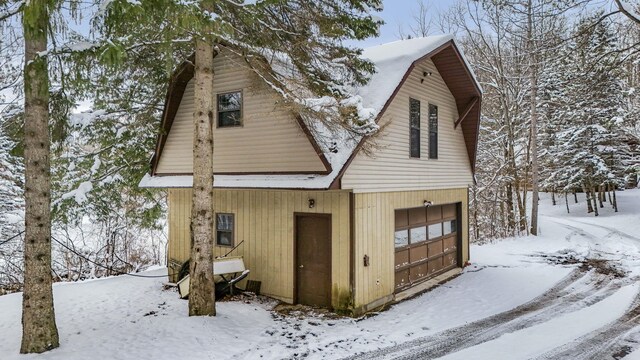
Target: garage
427	243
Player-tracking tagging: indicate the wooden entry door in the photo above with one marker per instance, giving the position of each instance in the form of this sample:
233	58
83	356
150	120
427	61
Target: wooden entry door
313	259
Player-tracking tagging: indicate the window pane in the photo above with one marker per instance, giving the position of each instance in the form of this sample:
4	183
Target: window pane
415	143
401	238
414	125
224	238
433	131
433	145
229	118
454	225
418	234
230	102
225	222
414	113
435	230
447	227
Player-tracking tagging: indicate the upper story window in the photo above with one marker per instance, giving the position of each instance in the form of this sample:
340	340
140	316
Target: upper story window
230	109
414	128
433	131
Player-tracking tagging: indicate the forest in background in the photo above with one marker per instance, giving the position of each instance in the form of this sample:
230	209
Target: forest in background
574	63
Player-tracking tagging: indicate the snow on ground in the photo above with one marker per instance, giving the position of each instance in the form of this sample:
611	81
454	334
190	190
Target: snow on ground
512	300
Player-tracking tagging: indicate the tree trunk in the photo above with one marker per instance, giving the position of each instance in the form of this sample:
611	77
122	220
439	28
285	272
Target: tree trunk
609	187
511	222
593	198
553	197
575	196
615	202
600	196
588	195
39	331
201	286
533	79
566	201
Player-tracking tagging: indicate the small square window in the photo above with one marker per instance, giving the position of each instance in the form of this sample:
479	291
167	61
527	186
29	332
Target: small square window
435	231
401	238
224	229
450	227
230	109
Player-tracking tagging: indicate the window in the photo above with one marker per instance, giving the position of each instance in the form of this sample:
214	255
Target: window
230	109
401	238
433	131
435	231
414	126
224	229
418	234
450	226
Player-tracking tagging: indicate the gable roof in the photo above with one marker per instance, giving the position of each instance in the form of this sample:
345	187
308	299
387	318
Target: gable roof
394	62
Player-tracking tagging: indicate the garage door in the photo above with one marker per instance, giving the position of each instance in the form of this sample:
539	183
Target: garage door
426	243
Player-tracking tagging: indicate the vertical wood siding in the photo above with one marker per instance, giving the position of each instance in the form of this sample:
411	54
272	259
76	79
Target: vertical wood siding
270	139
374	224
264	219
390	168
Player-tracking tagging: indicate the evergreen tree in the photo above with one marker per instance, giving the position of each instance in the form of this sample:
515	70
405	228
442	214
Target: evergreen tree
39	331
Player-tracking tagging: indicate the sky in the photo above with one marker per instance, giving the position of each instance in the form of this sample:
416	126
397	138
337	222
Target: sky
399	12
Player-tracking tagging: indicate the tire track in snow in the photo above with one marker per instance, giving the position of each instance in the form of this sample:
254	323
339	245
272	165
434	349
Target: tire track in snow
604	343
561	298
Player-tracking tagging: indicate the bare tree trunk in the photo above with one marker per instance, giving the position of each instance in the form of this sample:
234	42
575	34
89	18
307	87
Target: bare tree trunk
39	331
593	198
575	196
588	195
600	196
553	197
511	222
609	186
615	202
201	286
533	79
566	201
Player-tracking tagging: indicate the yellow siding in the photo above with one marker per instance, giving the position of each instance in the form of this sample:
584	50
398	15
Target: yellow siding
390	168
374	230
264	219
270	139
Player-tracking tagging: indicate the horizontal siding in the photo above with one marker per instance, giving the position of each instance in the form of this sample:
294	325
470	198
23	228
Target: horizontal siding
390	168
264	219
374	226
270	139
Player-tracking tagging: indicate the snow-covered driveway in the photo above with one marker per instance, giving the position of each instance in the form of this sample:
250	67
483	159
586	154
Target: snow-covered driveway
572	293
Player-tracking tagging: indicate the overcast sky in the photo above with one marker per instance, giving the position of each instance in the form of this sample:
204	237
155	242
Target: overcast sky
397	12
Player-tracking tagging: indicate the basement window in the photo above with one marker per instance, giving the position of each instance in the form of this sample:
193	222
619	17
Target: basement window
230	109
224	229
414	128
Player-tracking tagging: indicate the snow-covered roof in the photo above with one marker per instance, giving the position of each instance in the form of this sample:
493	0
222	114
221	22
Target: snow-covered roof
392	62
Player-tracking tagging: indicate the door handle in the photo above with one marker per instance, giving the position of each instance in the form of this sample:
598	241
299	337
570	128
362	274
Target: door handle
301	266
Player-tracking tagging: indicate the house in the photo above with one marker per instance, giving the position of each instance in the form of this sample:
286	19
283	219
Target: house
333	226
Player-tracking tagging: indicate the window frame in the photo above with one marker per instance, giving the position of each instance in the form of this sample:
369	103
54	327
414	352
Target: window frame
232	231
433	130
241	110
412	127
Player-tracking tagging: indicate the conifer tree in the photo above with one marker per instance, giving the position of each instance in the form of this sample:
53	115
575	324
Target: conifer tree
39	331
